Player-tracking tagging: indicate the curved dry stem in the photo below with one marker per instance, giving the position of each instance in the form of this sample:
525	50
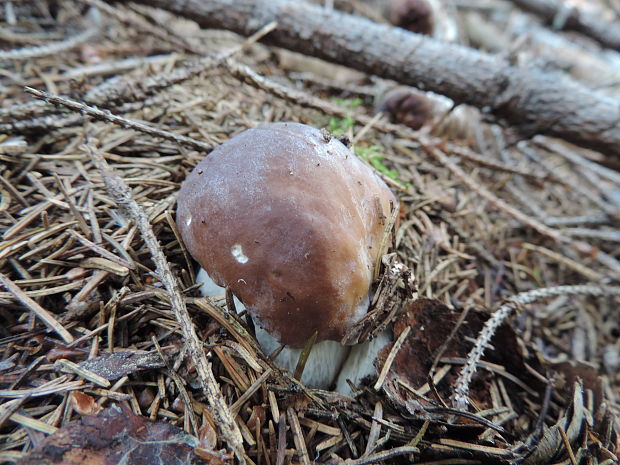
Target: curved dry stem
460	397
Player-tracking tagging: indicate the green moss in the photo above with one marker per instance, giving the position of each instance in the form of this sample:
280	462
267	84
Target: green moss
348	103
338	126
372	155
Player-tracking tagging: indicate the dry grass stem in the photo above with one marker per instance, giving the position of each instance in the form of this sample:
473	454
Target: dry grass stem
461	388
119	191
390	359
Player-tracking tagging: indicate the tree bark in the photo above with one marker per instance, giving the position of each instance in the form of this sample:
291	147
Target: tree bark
604	32
531	100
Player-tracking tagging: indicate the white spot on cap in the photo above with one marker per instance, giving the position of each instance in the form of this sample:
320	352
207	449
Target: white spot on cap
188	221
237	252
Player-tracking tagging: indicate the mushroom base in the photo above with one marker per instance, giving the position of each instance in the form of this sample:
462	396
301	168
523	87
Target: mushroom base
360	363
325	360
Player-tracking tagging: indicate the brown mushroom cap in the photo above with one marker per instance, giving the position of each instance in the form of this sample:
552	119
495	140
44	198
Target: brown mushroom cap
291	221
413	15
407	106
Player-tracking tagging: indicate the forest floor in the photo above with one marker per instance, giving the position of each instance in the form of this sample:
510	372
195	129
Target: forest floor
93	341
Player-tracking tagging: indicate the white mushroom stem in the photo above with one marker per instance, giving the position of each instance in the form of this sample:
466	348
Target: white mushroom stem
361	362
324	362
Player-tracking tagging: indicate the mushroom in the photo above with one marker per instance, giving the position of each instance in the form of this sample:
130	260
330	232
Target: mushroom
361	362
327	361
292	222
413	15
407	106
417	109
428	17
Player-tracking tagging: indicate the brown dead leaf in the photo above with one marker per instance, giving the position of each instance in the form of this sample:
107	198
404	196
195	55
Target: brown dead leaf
257	418
115	436
84	404
431	323
207	436
208	443
58	352
571	371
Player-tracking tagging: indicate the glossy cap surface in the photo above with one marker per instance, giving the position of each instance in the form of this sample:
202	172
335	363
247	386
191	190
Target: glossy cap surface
292	222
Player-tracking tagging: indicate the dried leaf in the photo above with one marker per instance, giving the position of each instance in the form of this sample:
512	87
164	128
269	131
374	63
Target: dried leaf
84	404
550	448
431	324
115	436
207	436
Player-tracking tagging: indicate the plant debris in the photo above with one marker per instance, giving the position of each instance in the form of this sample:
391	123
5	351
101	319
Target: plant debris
116	435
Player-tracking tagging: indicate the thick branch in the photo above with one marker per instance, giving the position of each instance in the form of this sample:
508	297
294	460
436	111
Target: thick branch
533	101
561	16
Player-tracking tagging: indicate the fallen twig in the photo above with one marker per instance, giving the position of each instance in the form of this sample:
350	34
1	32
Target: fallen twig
121	194
105	115
57	47
563	16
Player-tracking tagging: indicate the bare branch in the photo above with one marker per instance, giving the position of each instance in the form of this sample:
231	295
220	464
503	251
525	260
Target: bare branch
530	99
